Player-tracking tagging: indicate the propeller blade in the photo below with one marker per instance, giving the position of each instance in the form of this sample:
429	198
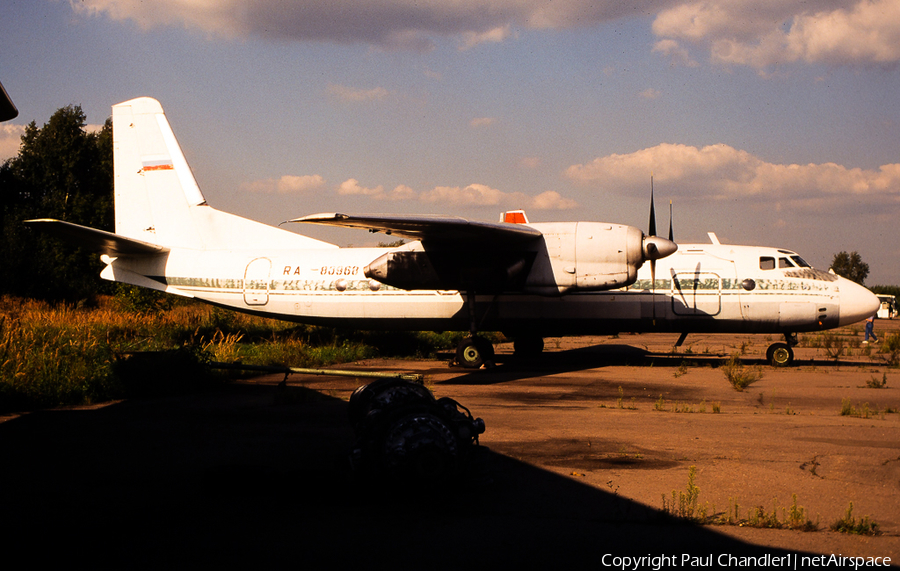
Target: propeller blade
671	234
655	247
653	289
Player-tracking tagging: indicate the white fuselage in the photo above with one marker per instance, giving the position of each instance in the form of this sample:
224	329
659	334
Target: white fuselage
701	288
556	278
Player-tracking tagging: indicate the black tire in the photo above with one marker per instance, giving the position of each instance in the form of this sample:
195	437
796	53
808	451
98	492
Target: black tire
780	355
473	352
470	353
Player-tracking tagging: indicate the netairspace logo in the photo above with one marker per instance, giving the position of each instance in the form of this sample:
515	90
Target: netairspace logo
729	561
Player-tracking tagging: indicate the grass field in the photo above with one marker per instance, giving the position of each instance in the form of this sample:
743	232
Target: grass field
53	355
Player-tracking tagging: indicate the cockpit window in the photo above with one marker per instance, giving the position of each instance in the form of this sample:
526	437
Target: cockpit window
766	263
800	262
784	263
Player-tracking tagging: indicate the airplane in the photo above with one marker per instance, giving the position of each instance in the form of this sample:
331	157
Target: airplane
527	280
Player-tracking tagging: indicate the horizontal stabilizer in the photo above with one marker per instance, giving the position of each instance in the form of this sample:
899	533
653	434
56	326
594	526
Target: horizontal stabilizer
98	241
114	273
434	229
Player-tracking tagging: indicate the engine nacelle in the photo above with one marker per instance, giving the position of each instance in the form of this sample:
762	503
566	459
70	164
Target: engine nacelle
585	256
567	257
466	268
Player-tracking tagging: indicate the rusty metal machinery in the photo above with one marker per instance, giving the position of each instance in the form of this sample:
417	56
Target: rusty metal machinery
405	435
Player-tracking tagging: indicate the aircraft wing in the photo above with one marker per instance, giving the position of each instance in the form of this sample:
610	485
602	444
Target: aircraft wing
98	240
431	229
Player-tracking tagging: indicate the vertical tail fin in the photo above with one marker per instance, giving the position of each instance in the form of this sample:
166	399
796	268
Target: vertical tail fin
154	185
158	200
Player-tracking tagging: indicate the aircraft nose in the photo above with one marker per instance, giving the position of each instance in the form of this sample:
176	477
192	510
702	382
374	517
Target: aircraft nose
857	303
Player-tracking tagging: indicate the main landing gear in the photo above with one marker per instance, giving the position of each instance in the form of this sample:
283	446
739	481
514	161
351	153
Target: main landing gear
782	354
473	352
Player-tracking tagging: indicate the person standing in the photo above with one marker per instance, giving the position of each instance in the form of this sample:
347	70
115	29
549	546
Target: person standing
870	330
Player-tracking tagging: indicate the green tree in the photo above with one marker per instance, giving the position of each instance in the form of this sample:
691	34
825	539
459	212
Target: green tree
64	172
850	266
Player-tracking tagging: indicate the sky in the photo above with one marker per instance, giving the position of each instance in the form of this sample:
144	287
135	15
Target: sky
768	122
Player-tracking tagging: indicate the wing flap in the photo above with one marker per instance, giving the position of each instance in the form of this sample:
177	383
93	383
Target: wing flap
431	229
99	241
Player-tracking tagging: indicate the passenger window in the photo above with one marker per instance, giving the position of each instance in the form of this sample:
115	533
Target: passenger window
784	263
766	263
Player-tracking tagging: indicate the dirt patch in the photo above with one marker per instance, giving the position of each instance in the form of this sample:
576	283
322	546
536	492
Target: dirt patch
574	466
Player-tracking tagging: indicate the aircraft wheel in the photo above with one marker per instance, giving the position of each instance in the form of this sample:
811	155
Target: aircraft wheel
780	355
473	352
528	346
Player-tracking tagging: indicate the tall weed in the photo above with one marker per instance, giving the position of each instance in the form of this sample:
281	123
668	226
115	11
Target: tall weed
53	355
739	375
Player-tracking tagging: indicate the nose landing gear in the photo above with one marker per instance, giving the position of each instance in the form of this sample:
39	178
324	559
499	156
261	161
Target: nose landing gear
782	354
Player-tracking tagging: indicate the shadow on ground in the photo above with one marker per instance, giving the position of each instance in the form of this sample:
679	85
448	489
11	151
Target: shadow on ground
510	368
250	476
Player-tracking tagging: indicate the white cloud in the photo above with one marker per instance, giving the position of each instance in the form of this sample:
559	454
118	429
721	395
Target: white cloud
870	32
764	33
352	95
483	195
287	184
677	54
482	122
351	187
649	93
552	200
401	192
758	33
722	172
404	24
472	195
494	36
10	140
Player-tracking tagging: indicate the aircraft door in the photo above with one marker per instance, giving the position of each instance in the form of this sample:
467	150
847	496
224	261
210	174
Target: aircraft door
696	293
256	281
